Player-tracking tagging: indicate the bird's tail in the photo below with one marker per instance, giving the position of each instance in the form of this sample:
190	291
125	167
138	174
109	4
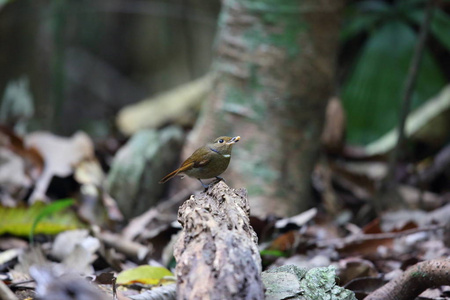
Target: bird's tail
176	172
169	176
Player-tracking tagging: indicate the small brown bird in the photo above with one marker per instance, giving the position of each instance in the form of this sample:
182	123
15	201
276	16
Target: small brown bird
208	161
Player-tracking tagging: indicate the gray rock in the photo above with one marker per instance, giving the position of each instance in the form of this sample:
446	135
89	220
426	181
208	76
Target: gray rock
291	282
138	167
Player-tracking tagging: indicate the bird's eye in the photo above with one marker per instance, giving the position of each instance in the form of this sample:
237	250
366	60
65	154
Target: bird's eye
221	141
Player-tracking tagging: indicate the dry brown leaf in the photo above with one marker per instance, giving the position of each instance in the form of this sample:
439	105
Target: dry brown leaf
34	161
372	239
286	242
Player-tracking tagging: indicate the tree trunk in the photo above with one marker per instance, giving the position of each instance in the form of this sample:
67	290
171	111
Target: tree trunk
275	70
217	252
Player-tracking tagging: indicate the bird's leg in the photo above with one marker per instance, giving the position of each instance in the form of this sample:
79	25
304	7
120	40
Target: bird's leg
220	179
204	185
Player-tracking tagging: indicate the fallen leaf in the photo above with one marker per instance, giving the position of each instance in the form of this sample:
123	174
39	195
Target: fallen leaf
286	241
55	284
66	242
89	171
355	267
143	274
14	181
19	220
365	285
416	198
60	155
33	160
164	108
298	220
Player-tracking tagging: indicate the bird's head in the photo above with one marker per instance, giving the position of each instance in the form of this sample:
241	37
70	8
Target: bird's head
224	144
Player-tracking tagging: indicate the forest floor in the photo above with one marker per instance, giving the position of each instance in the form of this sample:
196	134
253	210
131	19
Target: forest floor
371	235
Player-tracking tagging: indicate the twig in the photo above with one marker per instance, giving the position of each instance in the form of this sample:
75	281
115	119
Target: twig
409	89
357	238
139	224
129	248
387	187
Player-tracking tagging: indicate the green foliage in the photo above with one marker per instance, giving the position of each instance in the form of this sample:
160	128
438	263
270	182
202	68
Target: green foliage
38	219
276	253
48	211
373	91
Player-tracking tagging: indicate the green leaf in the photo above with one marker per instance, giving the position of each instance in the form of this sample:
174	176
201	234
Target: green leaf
440	27
373	6
143	274
372	94
276	253
49	210
410	6
358	24
363	17
21	221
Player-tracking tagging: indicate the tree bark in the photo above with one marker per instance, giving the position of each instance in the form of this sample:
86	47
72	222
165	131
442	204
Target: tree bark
275	70
217	252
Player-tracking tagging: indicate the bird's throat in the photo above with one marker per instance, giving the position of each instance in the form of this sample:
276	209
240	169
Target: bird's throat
224	155
212	149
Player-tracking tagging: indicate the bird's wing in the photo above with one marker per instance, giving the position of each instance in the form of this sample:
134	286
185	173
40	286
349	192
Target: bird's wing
188	163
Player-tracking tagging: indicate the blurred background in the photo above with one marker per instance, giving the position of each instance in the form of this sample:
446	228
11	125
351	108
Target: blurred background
111	69
94	57
79	65
343	108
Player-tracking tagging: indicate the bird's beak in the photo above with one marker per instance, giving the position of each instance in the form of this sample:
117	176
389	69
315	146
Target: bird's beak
234	140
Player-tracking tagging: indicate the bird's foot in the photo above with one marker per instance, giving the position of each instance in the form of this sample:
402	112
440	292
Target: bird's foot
204	185
219	179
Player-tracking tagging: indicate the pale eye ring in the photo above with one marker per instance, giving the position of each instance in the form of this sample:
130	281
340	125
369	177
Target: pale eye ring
221	141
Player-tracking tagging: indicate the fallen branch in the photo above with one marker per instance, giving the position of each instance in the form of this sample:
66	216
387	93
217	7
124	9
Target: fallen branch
122	245
415	280
217	254
359	238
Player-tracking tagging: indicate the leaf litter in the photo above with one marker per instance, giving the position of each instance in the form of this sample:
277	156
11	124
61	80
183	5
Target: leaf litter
102	249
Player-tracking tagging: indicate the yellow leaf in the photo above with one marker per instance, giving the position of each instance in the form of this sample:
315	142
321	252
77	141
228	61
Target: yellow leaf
143	274
19	221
